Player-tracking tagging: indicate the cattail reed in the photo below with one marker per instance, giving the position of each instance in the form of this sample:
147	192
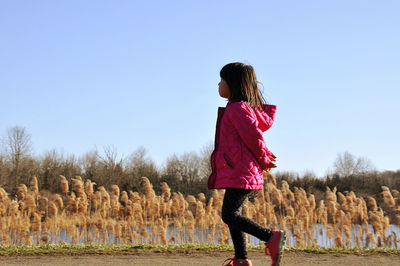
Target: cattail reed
88	215
166	191
387	196
64	185
21	191
89	190
79	187
34	187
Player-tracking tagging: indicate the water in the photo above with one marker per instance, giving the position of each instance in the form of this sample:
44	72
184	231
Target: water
319	237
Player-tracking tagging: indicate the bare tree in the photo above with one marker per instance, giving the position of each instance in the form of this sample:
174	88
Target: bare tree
89	164
205	160
138	166
347	164
53	164
112	167
3	170
183	173
190	167
18	146
110	157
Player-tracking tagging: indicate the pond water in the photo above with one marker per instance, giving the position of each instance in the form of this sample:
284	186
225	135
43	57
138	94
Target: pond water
201	235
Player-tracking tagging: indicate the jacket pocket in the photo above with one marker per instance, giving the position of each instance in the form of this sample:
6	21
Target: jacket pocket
228	161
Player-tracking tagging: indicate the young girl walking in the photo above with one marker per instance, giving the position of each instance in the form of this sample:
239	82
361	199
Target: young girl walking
241	156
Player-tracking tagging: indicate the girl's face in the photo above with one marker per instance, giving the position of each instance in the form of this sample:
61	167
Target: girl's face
224	90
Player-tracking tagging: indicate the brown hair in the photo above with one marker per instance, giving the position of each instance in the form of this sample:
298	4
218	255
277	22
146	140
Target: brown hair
243	85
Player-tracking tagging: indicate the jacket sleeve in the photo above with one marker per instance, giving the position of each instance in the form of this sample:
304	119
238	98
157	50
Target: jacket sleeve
246	124
269	116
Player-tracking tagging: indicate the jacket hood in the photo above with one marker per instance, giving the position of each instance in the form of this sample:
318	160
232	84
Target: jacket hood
266	117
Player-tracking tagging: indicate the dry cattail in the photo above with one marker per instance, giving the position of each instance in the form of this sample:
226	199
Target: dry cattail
269	178
21	191
115	190
146	186
134	196
165	191
331	195
202	198
34	187
72	203
30	204
89	190
287	193
59	201
372	204
36	222
79	187
276	194
124	197
3	194
338	238
104	195
52	210
96	201
64	185
347	233
387	196
200	213
162	231
13	211
322	214
97	216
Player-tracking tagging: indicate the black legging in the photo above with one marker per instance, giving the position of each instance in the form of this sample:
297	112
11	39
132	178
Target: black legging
238	225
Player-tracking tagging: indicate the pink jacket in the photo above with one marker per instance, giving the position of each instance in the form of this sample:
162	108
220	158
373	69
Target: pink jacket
240	154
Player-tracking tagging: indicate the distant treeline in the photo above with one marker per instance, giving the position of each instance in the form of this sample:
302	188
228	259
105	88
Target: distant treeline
363	184
186	173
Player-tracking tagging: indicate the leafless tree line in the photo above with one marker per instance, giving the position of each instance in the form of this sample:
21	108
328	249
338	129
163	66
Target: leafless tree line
186	173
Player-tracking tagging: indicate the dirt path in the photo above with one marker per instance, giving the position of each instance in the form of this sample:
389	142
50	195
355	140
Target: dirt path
200	259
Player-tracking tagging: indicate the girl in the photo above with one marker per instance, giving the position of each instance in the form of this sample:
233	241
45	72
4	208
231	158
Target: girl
240	156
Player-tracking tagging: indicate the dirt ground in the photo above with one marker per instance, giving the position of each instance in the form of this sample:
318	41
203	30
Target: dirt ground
203	259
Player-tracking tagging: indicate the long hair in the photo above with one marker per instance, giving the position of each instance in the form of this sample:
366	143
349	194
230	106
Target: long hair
243	85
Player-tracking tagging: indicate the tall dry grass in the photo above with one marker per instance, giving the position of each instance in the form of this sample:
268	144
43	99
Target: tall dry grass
85	215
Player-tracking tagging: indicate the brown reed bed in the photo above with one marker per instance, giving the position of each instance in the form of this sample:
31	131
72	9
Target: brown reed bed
84	215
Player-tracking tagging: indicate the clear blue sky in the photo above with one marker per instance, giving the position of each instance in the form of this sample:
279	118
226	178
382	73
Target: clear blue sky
85	74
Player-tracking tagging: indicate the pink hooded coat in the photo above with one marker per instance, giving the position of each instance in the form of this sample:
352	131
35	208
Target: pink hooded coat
240	154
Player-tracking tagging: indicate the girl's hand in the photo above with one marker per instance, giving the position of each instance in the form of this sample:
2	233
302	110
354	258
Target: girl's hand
270	166
272	158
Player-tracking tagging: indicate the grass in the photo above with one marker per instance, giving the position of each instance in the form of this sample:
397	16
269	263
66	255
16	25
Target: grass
356	251
186	248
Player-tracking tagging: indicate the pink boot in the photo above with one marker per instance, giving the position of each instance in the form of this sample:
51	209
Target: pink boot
235	262
274	246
